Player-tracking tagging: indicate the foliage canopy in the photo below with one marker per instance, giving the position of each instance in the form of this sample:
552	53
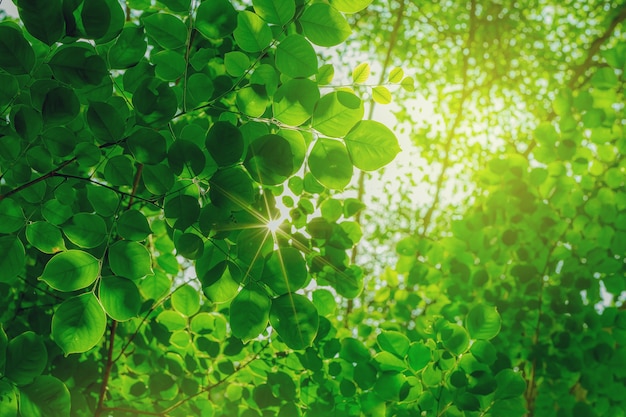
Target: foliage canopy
178	235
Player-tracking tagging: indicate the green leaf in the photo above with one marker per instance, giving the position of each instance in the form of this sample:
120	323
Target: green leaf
285	271
186	158
324	301
155	101
71	270
221	283
336	113
325	74
361	73
467	402
199	89
130	260
9	88
12	258
249	312
330	163
252	33
186	300
129	48
408	83
119	297
295	100
231	188
295	57
394	342
43	19
8	400
350	6
95	18
483	322
172	320
396	75
78	65
133	225
16	55
216	19
119	170
419	355
46	396
324	25
455	338
510	384
381	95
236	63
225	143
389	385
86	230
278	12
182	211
177	5
252	100
78	324
169	65
105	122
295	319
189	245
484	351
167	30
26	358
11	216
272	158
371	145
103	200
60	106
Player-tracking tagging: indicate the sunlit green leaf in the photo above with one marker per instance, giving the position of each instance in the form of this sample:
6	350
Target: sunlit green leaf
296	57
119	297
78	324
336	113
252	33
186	300
71	270
216	19
324	25
278	12
129	259
371	145
483	322
16	54
330	163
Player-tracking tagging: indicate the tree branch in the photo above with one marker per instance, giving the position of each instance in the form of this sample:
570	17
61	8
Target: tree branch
107	370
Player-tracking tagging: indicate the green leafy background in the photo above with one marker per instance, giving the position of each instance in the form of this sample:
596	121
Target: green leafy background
203	210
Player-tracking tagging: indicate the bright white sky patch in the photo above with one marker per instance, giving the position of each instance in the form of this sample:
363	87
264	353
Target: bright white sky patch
8	7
